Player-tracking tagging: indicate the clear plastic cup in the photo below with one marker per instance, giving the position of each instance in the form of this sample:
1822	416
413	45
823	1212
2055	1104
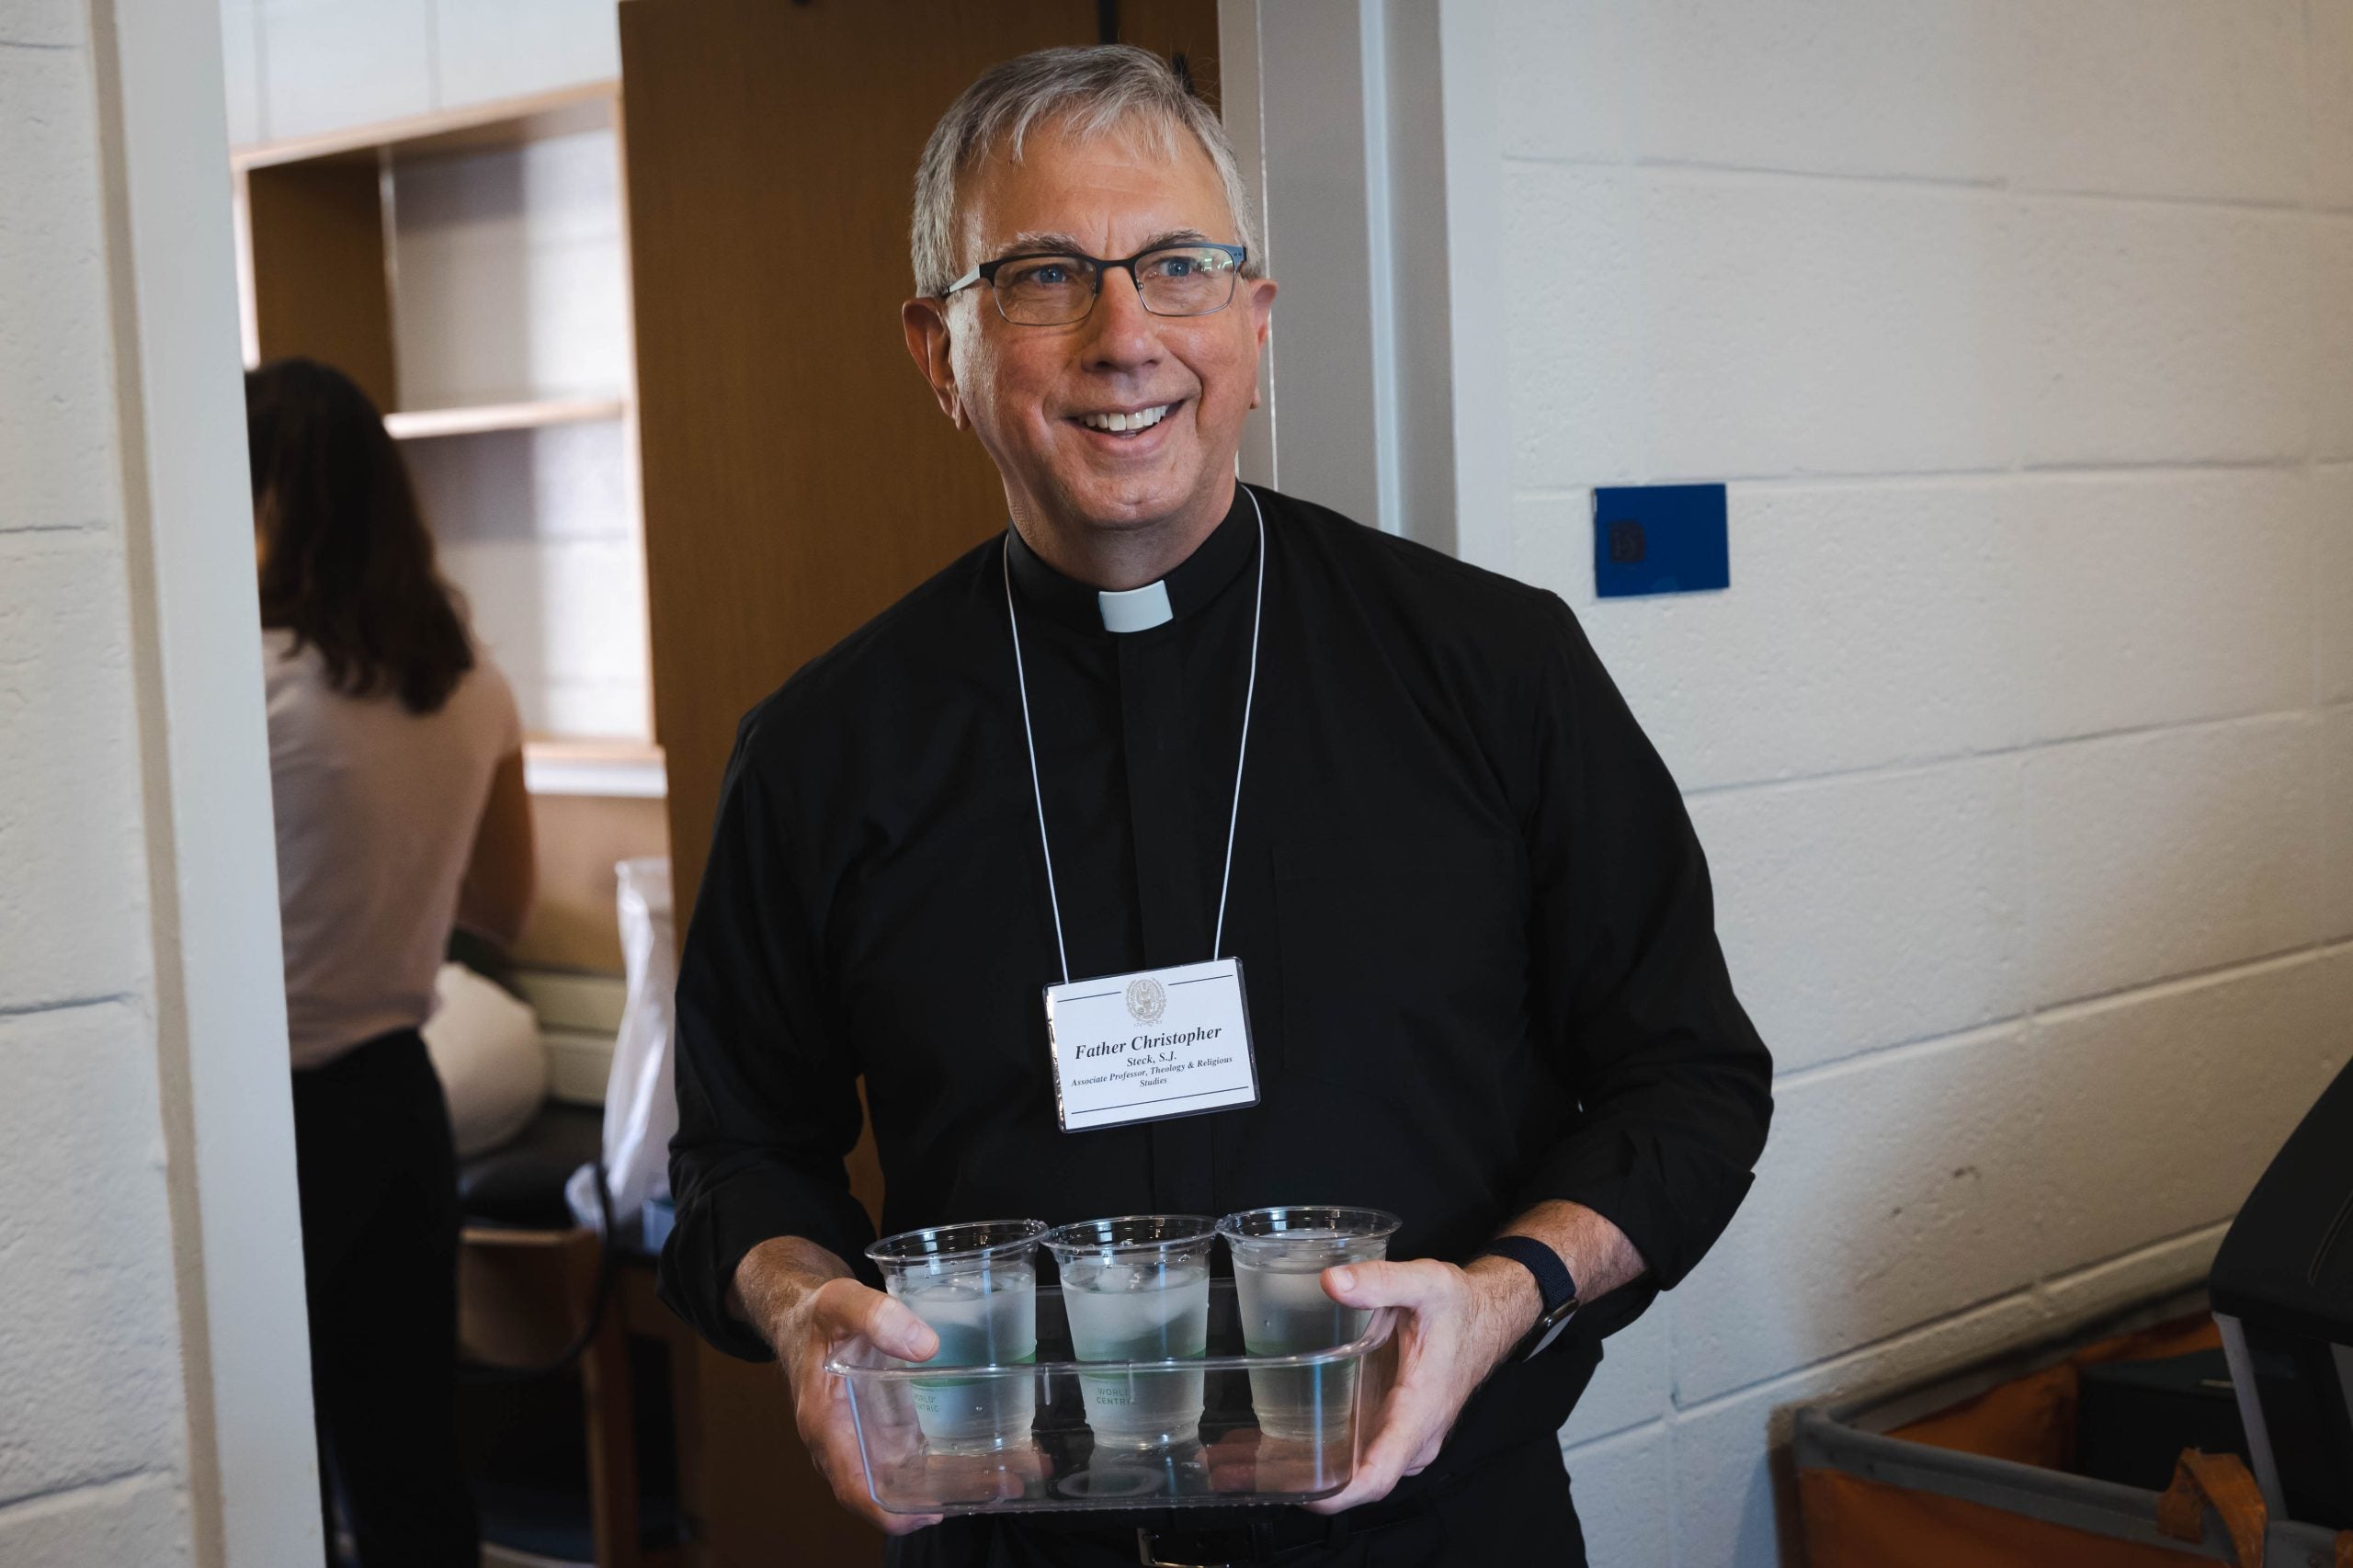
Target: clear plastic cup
1137	1289
1280	1257
976	1285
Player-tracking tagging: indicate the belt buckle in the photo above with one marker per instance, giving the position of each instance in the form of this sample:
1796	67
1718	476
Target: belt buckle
1148	1554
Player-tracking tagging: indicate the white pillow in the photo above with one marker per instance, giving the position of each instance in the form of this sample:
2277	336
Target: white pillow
485	1045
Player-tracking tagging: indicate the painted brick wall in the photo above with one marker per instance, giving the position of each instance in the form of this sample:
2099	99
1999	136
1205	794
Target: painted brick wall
93	1425
2022	743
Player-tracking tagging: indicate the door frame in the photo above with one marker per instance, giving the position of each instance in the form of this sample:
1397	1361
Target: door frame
219	998
1382	205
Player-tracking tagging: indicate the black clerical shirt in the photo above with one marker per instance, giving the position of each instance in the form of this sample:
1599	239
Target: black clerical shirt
1474	925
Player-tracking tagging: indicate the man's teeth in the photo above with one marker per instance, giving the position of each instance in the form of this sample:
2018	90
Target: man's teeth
1142	419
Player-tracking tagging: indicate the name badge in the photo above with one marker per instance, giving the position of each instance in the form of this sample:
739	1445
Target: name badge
1150	1045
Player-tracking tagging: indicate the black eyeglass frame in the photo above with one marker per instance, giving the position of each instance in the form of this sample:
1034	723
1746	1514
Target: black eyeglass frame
986	273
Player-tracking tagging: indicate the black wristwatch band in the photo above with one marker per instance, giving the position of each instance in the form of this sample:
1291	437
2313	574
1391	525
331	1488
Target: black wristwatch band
1555	1285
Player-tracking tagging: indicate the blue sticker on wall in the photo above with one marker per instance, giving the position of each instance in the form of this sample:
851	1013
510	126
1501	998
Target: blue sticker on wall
1660	538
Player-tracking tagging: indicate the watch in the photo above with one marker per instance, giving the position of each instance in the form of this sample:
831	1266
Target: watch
1554	1284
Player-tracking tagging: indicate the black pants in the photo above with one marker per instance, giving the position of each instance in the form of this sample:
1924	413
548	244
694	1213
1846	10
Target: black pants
1511	1509
379	1253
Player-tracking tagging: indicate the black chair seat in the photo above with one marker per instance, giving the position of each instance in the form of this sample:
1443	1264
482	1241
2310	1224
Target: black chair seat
520	1182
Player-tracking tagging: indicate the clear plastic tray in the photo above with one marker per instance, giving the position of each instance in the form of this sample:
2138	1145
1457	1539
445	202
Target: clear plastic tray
983	1455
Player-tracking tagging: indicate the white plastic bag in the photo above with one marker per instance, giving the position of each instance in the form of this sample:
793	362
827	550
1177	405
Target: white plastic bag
640	1098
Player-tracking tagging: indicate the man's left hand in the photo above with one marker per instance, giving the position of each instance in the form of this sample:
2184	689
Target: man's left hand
1454	1327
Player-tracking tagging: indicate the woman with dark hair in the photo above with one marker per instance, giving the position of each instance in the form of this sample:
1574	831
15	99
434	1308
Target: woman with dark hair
397	771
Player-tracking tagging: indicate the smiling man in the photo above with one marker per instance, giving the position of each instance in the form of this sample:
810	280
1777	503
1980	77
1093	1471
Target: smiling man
1166	730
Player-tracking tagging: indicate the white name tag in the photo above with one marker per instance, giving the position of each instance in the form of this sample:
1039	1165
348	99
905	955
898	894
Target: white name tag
1156	1043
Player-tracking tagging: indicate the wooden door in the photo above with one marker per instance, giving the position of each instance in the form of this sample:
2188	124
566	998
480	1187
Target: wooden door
797	477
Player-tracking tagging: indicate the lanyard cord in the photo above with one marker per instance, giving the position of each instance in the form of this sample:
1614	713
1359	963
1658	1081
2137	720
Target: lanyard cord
1038	788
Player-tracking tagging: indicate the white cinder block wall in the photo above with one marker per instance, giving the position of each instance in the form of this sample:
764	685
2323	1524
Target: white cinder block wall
92	1417
2022	742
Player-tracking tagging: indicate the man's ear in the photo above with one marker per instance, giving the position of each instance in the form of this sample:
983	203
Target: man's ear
1262	307
926	324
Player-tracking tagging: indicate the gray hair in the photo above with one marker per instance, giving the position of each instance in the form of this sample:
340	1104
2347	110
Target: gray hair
1088	92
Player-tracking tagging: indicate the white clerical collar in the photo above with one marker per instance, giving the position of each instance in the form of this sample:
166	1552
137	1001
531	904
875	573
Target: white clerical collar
1184	589
1135	610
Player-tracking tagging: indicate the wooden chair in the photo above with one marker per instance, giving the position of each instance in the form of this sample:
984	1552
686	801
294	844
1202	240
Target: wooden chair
523	1297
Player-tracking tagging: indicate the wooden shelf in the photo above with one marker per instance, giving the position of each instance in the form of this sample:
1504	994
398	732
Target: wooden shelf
501	123
611	769
419	425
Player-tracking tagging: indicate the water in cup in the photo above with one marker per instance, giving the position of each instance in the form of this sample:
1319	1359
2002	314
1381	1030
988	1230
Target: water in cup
1121	1311
1137	1289
1279	1255
976	1285
1284	1313
981	1320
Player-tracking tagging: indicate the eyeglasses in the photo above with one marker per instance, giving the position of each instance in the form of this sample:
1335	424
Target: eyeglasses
1055	291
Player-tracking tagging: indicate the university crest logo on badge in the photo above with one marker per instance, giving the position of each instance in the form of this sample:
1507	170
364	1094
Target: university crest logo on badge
1146	1000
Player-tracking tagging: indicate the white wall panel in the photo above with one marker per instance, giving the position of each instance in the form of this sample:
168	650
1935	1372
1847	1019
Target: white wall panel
1567	88
328	64
2160	97
2160	332
2227	1067
2331	579
91	1354
142	1520
2164	598
1910	87
1623	1488
72	866
502	49
56	408
2332	251
2329	69
2170	852
510	280
240	69
558	613
1895	1190
1820	326
1633	1387
1573	267
44	24
2336	825
562	481
1860	912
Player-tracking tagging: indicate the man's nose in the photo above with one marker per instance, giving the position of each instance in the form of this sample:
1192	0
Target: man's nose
1119	331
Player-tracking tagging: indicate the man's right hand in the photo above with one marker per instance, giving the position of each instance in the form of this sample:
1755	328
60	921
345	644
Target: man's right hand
802	1301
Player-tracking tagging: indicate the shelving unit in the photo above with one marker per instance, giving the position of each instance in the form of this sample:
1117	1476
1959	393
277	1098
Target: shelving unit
409	254
317	223
469	270
604	769
424	424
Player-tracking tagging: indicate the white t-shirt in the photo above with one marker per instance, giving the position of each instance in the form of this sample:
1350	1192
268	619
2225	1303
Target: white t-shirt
377	810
